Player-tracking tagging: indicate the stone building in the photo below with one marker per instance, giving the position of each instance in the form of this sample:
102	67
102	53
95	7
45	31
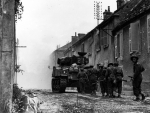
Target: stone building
122	32
132	34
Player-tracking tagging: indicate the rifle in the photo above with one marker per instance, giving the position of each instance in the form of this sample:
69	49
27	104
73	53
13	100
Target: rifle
131	78
124	80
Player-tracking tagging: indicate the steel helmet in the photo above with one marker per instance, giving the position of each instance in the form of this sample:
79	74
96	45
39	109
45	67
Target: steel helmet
110	64
116	64
134	56
101	65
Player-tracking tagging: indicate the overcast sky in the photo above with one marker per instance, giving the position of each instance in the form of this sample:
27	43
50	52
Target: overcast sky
46	24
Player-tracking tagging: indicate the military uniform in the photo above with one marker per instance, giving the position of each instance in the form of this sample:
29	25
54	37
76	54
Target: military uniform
102	80
137	78
93	80
119	75
110	76
82	80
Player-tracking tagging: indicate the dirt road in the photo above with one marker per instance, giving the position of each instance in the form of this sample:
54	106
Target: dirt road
72	102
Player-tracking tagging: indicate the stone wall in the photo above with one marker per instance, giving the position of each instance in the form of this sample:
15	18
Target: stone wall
7	39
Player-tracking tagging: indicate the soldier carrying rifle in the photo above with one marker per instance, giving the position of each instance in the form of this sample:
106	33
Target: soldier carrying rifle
82	80
119	76
110	76
102	79
137	77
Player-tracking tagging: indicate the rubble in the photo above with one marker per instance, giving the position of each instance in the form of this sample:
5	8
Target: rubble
85	103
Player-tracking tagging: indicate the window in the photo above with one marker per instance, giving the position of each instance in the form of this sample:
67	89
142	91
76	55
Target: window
148	32
134	37
90	42
97	40
119	46
105	37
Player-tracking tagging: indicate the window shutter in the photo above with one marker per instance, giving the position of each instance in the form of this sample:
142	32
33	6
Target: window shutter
121	45
135	35
130	40
116	55
108	32
97	42
90	42
105	41
118	45
148	32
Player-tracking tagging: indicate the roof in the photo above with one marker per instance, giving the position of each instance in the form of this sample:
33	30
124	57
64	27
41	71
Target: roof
141	7
129	10
65	47
120	12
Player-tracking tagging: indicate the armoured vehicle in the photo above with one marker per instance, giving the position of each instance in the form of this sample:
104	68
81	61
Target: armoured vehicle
65	74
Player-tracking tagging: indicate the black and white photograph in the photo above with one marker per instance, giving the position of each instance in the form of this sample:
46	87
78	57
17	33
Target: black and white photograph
74	56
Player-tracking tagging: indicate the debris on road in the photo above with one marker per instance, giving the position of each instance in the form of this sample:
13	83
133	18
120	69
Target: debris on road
67	103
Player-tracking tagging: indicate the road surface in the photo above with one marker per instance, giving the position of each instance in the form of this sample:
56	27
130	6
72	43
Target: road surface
72	102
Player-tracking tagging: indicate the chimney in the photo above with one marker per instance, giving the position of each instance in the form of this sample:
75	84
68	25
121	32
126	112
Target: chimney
120	3
107	13
80	35
74	38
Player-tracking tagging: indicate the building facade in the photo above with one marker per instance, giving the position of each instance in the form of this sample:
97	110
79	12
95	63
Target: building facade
122	32
132	35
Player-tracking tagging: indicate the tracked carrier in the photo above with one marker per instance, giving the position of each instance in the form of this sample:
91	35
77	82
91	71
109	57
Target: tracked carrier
65	75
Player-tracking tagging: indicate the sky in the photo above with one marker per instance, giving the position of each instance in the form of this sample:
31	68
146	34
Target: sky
46	24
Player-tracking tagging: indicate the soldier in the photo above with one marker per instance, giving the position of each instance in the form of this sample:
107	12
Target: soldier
102	79
82	80
93	80
137	77
106	81
119	75
110	79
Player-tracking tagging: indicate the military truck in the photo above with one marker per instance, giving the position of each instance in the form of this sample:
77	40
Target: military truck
65	74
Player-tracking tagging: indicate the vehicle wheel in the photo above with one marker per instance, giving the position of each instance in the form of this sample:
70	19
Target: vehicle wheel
78	89
62	90
55	85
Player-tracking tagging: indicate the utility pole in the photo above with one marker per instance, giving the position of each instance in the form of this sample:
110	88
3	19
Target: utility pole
16	59
98	11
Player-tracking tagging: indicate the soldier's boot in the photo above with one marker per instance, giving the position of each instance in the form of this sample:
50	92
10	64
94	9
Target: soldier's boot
143	96
94	92
103	94
119	96
137	98
107	95
111	96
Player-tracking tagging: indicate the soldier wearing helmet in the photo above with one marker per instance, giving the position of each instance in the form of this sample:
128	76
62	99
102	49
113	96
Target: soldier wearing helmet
82	80
118	75
137	77
110	76
93	79
102	79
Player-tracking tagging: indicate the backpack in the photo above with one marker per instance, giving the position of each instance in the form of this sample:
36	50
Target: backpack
112	75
